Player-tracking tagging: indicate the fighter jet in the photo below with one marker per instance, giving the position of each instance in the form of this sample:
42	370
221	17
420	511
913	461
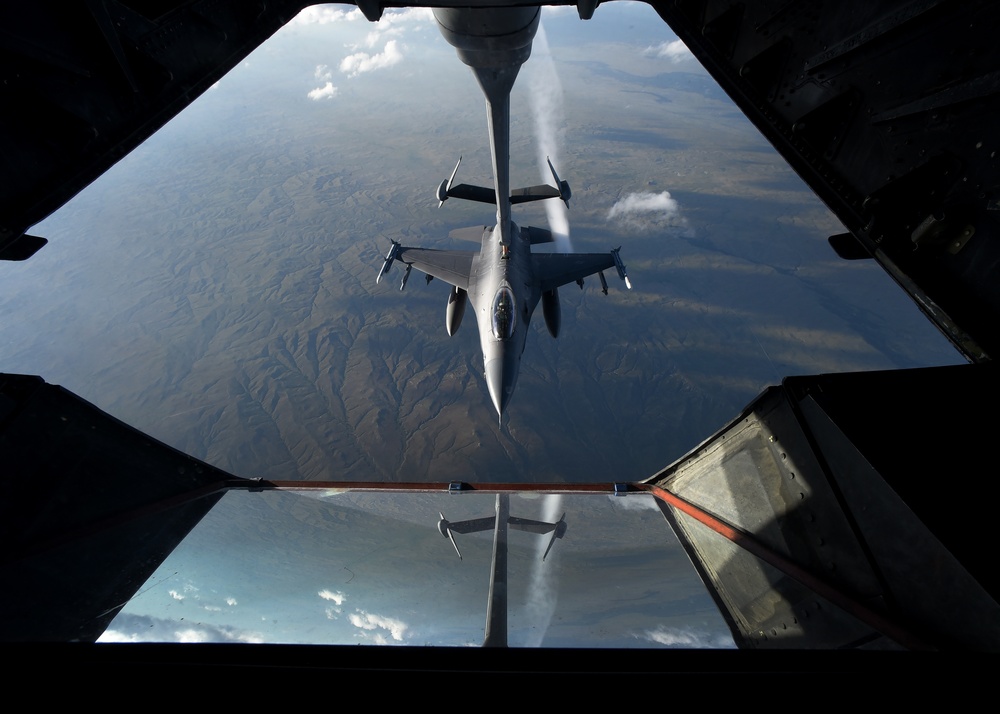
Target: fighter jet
496	604
504	281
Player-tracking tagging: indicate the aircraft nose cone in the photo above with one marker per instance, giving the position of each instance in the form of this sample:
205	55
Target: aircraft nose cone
500	377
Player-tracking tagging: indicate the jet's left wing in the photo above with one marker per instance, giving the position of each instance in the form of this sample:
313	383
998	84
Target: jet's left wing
452	266
554	270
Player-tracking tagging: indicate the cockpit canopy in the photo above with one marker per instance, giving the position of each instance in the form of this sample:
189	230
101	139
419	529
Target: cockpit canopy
503	313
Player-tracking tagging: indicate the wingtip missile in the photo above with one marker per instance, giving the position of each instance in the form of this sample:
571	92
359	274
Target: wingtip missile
565	193
621	267
389	257
445	187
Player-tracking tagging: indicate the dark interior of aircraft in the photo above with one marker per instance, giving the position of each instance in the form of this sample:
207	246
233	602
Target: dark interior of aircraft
888	112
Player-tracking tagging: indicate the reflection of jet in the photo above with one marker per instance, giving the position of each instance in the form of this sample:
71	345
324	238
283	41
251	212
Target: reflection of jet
504	281
496	605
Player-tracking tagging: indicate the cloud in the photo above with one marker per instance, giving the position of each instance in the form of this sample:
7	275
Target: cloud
175	595
359	62
687	638
325	14
393	24
338	597
231	601
322	72
375	36
675	51
327	91
648	211
372	623
143	628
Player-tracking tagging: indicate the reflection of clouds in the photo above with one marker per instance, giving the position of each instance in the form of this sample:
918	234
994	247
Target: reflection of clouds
143	628
634	502
337	597
675	51
648	211
372	623
687	638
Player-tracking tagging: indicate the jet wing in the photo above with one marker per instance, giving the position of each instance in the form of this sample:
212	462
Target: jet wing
556	269
452	266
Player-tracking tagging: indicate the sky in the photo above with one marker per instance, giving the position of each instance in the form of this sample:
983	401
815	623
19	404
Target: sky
216	289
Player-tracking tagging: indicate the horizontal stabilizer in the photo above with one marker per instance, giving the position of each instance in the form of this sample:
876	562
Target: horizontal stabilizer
473	233
536	236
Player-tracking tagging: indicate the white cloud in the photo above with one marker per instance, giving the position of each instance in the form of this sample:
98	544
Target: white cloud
687	638
338	597
371	623
144	628
375	36
648	211
325	14
644	203
323	72
231	601
191	635
175	595
359	62
327	91
675	51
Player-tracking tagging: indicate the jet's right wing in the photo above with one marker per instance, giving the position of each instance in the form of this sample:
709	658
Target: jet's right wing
452	266
554	270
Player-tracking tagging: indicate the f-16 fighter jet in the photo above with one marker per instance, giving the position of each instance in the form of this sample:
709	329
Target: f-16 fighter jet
504	281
